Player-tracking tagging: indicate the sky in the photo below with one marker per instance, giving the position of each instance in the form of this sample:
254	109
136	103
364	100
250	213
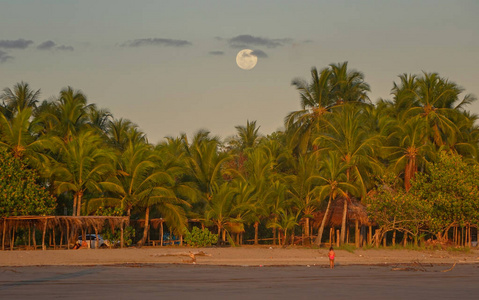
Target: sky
170	66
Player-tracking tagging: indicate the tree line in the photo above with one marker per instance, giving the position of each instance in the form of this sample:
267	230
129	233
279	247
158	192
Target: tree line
411	159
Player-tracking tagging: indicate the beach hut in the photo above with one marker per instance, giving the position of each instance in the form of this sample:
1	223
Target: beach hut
356	215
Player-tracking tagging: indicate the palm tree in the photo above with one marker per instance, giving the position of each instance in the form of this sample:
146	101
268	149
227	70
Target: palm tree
408	147
303	188
20	98
347	86
67	116
222	208
205	163
437	98
83	162
334	183
357	147
316	102
130	183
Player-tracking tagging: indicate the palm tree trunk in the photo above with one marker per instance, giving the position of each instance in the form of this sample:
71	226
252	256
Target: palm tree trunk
323	222
256	225
79	200
74	213
146	228
343	223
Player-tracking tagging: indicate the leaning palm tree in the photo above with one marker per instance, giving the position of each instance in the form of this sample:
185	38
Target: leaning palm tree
334	183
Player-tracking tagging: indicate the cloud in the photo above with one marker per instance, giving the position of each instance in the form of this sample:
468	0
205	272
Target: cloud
259	53
216	53
48	45
245	40
15	44
65	48
4	56
51	45
156	42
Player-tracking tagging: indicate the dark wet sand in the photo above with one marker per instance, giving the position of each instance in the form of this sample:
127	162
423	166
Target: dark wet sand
161	281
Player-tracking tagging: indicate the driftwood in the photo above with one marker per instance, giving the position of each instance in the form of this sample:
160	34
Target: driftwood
419	267
189	253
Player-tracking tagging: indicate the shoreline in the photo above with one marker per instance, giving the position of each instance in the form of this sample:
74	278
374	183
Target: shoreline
238	256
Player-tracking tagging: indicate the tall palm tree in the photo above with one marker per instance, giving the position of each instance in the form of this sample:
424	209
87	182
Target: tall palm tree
68	115
346	85
205	163
303	188
83	162
408	147
438	100
316	102
357	147
334	183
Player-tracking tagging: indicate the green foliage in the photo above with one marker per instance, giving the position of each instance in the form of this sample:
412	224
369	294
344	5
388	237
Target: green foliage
200	237
19	193
451	188
394	209
115	237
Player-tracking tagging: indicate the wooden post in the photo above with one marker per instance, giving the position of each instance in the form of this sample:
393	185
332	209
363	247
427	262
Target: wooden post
13	238
4	231
34	237
121	239
162	233
43	236
68	236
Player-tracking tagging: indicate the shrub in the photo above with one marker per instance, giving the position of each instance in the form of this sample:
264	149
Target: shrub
200	237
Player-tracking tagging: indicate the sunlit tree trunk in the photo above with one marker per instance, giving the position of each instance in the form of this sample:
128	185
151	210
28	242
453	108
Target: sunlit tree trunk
323	222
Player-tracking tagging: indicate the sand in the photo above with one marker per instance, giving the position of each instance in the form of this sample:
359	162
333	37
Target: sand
238	256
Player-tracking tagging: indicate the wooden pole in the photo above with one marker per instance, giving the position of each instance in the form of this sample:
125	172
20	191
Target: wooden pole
4	231
162	233
43	236
121	239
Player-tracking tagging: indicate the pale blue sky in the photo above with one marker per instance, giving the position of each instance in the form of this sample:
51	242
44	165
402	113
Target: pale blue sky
169	66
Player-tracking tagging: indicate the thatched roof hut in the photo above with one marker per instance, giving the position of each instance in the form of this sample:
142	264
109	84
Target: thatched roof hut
356	212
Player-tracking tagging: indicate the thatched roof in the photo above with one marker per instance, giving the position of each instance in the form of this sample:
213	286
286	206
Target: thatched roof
356	211
84	222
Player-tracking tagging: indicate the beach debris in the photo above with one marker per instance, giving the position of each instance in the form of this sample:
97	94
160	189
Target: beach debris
417	266
192	255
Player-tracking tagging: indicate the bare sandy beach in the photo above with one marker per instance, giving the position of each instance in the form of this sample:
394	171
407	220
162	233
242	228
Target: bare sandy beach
239	256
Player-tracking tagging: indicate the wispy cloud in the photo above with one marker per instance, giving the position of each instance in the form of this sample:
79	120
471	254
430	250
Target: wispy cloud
259	53
4	56
216	53
245	40
156	42
51	45
15	44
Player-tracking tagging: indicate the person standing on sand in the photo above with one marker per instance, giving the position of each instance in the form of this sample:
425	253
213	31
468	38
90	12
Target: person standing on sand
331	256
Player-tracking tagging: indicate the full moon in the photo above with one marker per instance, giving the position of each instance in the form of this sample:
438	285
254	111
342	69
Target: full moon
246	60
